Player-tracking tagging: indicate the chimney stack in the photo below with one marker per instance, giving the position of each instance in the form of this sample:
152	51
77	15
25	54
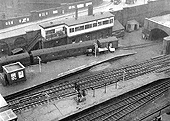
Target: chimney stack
76	13
90	10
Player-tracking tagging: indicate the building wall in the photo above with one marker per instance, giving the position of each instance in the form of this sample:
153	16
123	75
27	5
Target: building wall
45	13
141	12
104	33
15	8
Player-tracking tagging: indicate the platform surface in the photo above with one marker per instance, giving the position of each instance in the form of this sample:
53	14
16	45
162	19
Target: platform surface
62	108
56	69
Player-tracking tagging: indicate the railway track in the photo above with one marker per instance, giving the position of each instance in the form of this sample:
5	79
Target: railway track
115	111
140	45
98	80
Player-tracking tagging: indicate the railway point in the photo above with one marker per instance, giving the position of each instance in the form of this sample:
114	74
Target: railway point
37	75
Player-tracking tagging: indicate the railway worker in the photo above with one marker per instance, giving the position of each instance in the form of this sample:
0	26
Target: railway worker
83	93
79	97
77	87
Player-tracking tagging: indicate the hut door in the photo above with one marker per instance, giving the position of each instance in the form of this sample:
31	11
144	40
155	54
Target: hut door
135	27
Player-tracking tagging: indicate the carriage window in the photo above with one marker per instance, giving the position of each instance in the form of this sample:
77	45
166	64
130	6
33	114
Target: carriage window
94	24
105	22
111	20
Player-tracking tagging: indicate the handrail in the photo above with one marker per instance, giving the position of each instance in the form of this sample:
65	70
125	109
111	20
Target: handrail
33	42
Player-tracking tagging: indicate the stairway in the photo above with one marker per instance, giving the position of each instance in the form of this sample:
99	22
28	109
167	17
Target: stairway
33	42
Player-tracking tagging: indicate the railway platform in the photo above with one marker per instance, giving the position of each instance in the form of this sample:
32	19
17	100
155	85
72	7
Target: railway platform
59	109
41	74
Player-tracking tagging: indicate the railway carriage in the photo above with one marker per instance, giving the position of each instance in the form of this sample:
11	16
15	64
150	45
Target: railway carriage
49	54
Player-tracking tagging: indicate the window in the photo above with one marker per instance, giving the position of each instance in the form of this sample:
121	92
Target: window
111	20
50	32
99	23
13	76
94	24
105	22
69	7
81	27
88	26
71	30
55	11
76	29
20	74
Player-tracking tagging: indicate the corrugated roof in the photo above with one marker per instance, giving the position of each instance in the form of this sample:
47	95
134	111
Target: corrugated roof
117	26
79	20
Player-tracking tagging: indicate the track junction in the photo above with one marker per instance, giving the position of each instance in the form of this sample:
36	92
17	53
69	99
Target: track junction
95	81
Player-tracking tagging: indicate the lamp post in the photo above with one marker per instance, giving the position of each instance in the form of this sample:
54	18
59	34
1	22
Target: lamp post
39	62
95	49
105	88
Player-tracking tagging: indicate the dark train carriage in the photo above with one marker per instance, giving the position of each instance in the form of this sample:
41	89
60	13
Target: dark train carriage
24	58
49	54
